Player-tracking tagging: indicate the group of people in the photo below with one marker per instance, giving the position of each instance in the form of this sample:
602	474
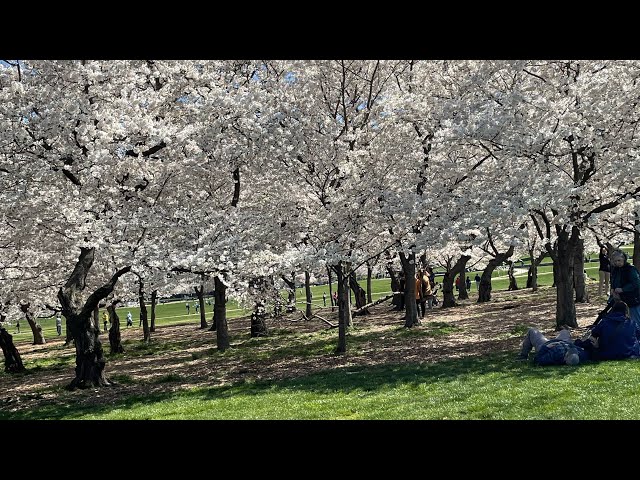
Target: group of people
467	281
615	336
107	321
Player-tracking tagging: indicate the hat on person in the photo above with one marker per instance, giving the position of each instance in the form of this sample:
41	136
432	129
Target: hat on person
572	357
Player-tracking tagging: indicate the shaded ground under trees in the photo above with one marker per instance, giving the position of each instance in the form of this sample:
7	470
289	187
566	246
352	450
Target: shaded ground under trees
184	356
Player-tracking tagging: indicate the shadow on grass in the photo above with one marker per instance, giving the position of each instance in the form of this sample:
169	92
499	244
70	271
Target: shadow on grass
345	380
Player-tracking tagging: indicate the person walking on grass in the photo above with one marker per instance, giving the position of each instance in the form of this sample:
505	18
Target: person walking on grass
129	320
324	299
105	319
59	325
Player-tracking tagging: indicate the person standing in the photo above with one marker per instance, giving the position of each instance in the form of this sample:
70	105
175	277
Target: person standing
625	284
477	279
129	320
458	282
468	284
427	291
188	308
59	325
420	301
604	272
105	319
324	299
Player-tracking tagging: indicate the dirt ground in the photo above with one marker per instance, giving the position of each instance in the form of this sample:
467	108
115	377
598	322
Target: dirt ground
481	328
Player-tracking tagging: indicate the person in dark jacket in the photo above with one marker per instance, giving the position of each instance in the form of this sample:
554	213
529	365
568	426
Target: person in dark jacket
603	271
625	284
558	351
617	335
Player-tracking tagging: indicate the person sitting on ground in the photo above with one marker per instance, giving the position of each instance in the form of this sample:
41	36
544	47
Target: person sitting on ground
558	351
617	335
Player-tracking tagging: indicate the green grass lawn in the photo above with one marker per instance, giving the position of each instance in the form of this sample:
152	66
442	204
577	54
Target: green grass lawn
490	387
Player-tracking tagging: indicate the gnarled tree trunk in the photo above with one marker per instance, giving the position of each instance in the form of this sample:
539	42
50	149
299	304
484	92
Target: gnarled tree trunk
513	283
38	337
359	293
89	371
484	295
200	295
448	300
115	342
12	360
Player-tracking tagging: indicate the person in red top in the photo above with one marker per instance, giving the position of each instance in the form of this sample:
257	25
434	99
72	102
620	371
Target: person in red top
458	282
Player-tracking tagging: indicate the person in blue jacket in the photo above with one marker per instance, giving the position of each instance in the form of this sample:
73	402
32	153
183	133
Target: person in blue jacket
617	335
558	351
625	284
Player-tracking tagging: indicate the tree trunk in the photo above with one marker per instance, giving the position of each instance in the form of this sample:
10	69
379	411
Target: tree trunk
532	274
448	299
411	311
220	314
513	283
89	356
562	255
579	286
115	342
330	288
359	293
68	338
395	287
484	295
95	318
12	360
462	293
200	295
143	313
343	309
307	290
154	299
369	272
258	324
38	337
